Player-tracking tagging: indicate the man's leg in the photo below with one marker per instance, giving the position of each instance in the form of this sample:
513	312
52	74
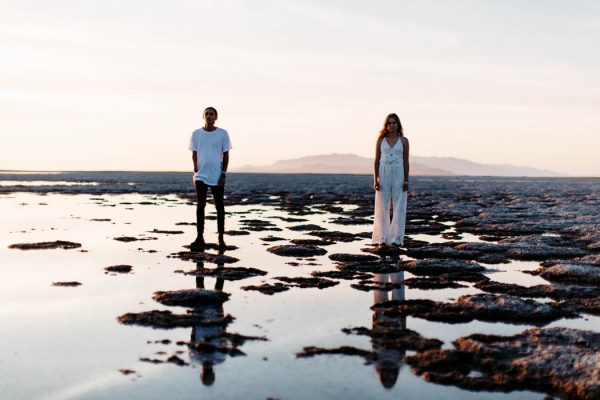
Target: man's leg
201	190
218	193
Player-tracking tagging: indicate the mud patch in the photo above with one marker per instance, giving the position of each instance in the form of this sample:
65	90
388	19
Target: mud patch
118	269
227	273
557	361
484	307
267	288
297	251
190	297
168	320
301	282
67	284
57	244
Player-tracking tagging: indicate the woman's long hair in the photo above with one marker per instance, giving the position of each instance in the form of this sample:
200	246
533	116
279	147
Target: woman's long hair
383	130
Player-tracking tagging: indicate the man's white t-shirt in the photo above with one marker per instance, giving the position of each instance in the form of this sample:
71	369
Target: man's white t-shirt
210	147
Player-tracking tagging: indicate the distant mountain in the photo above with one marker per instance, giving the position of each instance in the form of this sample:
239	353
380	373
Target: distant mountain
465	167
333	164
353	164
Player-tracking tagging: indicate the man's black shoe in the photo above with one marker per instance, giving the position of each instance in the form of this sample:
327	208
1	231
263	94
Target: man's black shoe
197	245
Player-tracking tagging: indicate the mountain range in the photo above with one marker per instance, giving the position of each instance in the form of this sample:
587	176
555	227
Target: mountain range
431	166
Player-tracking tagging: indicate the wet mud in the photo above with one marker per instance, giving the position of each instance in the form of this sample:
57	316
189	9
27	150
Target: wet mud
118	269
57	244
558	361
67	284
483	307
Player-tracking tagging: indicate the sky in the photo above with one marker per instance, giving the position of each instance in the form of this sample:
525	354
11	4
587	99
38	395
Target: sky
121	85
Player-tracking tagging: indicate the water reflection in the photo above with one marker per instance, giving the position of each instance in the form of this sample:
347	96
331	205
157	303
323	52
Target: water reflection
210	335
389	355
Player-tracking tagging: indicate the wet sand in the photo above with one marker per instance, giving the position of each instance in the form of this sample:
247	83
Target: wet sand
150	319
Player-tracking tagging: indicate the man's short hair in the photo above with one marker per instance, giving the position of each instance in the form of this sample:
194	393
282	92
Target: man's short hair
212	108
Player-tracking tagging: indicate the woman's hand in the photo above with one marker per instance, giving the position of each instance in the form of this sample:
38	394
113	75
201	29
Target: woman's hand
405	186
376	184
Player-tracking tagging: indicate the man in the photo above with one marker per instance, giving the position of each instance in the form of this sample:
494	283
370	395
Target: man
210	147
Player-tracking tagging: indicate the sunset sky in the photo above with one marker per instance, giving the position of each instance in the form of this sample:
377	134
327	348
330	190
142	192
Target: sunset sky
120	85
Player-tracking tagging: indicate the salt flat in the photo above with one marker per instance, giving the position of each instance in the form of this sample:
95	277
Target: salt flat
255	345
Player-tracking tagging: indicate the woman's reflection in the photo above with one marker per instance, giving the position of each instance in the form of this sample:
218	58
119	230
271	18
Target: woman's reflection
389	357
208	336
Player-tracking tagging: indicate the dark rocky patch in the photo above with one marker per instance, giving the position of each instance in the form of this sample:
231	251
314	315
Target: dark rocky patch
442	251
589	306
436	267
166	232
67	284
344	257
482	247
267	288
236	233
227	273
207	347
540	248
126	371
484	307
121	269
451	235
306	227
272	239
428	227
100	219
312	242
557	361
204	256
351	221
216	247
290	219
190	297
393	337
378	267
367	286
557	292
174	359
57	244
312	351
168	320
297	250
132	239
335	236
581	270
305	283
347	275
384	251
258	225
436	282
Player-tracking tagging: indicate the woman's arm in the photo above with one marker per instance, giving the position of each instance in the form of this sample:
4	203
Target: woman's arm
195	159
376	164
406	165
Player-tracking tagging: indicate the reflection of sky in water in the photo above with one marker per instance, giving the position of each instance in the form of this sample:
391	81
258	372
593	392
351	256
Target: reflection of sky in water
69	340
46	183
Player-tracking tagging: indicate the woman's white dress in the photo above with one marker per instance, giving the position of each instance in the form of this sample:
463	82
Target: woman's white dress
390	198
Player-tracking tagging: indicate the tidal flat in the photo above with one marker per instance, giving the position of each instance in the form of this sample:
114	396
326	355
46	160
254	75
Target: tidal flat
495	295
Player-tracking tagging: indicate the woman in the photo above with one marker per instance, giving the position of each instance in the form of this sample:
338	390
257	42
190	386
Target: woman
391	183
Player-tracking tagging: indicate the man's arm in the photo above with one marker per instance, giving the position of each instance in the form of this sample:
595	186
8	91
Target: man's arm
224	170
195	159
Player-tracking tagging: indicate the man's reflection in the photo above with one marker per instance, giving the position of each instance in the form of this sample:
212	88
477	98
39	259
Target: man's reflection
389	357
208	336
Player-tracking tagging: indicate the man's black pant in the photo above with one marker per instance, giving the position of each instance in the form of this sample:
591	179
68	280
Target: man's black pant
217	193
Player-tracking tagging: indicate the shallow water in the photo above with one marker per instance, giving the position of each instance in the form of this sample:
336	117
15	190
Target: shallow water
65	342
